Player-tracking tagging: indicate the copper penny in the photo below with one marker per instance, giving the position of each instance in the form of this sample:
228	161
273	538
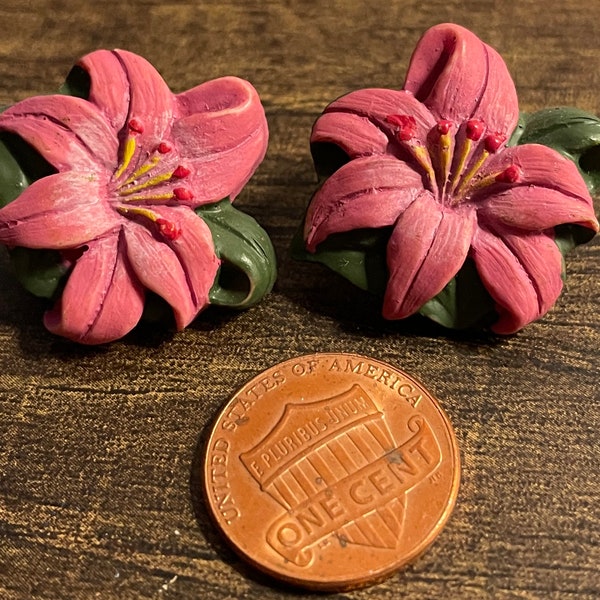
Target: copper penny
331	471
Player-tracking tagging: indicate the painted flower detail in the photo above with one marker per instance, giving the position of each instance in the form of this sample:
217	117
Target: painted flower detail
431	161
132	161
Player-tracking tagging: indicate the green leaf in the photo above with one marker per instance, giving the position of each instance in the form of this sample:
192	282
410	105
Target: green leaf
358	256
518	132
248	269
568	236
463	304
572	132
39	271
12	179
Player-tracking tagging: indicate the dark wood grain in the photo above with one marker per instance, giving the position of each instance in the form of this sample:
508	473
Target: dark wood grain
99	447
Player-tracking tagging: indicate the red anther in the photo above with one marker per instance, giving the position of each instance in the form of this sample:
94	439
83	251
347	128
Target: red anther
182	194
444	126
164	148
168	229
135	125
475	129
493	141
407	126
180	172
511	174
399	120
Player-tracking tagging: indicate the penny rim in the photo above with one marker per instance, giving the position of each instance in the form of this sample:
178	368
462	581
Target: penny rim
315	471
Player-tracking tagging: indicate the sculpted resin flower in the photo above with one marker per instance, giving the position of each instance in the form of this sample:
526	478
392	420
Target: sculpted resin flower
132	161
431	162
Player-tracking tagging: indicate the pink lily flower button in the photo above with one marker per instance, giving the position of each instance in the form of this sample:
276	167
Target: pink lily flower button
131	166
430	166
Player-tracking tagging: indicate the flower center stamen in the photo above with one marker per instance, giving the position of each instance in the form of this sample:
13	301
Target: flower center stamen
491	144
452	154
446	143
405	135
168	229
129	190
181	193
511	174
406	126
134	127
164	148
181	172
148	166
145	185
474	129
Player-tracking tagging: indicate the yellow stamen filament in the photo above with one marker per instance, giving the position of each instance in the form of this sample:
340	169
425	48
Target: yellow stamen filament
128	152
445	157
143	169
142	186
464	155
483	182
153	198
423	158
136	210
471	173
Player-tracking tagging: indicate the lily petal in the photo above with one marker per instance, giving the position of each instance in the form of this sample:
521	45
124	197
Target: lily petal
367	192
70	133
109	87
522	273
458	77
195	252
375	105
64	210
498	106
428	246
158	268
355	134
542	260
151	102
223	135
549	192
102	300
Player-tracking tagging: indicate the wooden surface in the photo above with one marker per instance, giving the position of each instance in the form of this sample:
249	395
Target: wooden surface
99	447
